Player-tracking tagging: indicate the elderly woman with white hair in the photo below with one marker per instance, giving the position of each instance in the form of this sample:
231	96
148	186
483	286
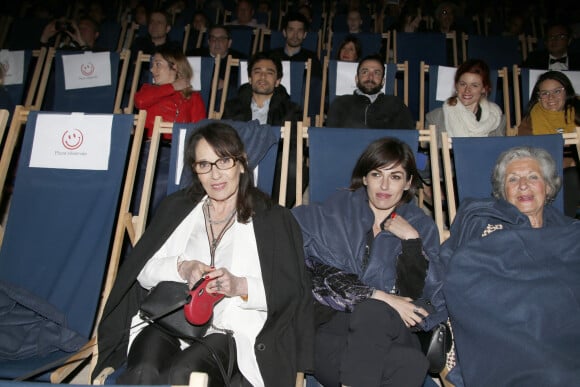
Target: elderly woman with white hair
512	265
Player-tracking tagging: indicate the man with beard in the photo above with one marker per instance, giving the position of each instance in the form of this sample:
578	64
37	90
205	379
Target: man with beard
368	106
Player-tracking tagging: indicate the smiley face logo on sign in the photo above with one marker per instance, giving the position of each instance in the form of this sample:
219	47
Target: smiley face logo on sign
87	69
72	139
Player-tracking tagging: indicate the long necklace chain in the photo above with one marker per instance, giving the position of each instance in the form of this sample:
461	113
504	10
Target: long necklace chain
214	241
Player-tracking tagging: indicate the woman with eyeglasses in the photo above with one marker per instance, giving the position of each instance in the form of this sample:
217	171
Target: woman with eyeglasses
555	108
223	229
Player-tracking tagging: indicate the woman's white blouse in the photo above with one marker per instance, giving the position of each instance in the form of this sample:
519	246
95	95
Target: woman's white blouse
237	252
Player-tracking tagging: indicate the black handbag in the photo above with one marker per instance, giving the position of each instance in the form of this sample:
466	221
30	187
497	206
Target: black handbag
164	307
436	344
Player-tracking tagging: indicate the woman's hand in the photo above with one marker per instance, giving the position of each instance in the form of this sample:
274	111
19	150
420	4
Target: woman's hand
192	271
398	226
410	313
224	282
49	31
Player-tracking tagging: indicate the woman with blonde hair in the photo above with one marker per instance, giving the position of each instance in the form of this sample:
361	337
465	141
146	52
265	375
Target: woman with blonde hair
171	95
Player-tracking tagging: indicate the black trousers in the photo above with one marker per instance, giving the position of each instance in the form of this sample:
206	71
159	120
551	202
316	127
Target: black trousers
369	347
571	190
156	358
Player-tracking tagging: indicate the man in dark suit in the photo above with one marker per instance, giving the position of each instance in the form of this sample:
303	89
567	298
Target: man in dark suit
219	42
556	55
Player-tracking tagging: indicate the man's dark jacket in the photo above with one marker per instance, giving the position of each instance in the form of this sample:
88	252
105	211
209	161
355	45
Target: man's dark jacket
541	60
357	111
281	108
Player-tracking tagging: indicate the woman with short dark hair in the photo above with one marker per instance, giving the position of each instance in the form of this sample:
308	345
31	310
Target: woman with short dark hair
373	258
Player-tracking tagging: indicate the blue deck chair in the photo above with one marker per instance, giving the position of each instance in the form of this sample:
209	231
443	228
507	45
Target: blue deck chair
333	153
261	142
64	224
414	48
324	144
24	33
473	159
244	39
98	99
110	34
497	51
203	76
31	67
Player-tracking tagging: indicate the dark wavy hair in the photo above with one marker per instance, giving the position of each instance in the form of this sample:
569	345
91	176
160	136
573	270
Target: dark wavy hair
225	142
266	56
382	152
572	101
357	46
474	66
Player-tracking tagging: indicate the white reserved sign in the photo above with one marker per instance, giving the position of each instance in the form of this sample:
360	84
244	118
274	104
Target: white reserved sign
285	76
195	63
345	78
445	83
72	141
89	69
13	63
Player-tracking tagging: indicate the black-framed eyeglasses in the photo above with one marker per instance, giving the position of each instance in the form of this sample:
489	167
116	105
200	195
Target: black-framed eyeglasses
224	163
545	94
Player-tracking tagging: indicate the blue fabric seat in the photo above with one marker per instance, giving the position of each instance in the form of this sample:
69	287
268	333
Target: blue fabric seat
60	227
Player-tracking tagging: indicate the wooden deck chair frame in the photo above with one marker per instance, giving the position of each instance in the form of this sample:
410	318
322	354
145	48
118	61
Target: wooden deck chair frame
426	136
124	57
502	74
4	114
450	36
570	139
122	223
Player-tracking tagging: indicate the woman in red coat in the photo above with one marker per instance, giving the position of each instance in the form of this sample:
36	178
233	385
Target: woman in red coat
171	95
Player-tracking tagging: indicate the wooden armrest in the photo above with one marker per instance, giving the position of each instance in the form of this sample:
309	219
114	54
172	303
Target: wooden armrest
73	362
